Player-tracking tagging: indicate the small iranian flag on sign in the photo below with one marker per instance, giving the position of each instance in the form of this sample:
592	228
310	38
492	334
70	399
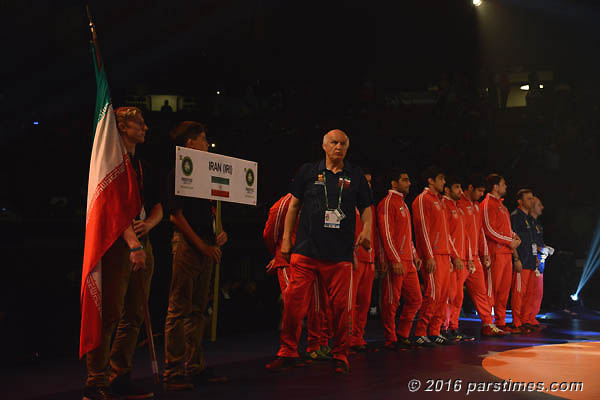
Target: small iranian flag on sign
219	186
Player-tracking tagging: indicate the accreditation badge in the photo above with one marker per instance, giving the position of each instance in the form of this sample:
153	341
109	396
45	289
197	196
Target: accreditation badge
534	249
332	219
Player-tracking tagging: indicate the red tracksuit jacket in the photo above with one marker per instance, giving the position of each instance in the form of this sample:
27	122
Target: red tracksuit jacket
273	232
456	227
473	229
496	224
395	233
431	226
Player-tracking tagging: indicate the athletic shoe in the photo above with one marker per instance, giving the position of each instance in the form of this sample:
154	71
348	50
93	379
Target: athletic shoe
284	363
423	341
99	393
510	329
451	335
206	376
533	327
326	350
461	336
317	355
341	367
518	329
390	346
124	388
177	384
362	348
525	329
404	344
492	330
441	340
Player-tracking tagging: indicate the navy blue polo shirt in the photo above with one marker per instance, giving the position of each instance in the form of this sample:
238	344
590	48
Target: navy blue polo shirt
197	212
539	238
312	238
523	225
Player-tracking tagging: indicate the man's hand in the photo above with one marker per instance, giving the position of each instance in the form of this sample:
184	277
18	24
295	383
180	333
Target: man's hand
458	264
286	248
138	259
471	266
487	262
270	266
364	239
516	241
211	251
141	228
430	266
518	265
221	238
418	263
398	268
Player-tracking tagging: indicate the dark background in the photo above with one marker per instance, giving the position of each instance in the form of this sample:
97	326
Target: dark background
286	72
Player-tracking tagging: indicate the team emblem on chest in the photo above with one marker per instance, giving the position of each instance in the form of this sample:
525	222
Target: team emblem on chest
403	211
345	182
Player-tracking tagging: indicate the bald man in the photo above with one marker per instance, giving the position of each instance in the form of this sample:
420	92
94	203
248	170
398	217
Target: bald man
328	192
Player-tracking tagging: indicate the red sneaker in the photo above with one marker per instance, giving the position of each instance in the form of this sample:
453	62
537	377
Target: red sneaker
510	329
492	330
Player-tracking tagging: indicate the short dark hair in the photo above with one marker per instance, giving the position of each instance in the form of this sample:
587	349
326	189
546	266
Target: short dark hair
186	130
523	192
491	180
432	172
475	180
394	174
452	180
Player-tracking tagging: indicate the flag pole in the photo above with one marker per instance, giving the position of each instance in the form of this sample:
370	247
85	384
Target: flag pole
148	324
219	229
94	37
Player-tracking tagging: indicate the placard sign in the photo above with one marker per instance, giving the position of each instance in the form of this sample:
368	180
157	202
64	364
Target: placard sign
216	177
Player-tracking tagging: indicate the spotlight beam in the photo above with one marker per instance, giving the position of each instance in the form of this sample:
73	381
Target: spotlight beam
592	262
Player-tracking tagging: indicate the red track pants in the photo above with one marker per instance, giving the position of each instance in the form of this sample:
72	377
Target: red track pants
362	285
456	295
539	294
433	309
478	292
317	318
336	277
392	287
284	276
523	298
501	274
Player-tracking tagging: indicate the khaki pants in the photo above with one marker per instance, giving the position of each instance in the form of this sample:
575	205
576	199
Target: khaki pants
186	321
122	308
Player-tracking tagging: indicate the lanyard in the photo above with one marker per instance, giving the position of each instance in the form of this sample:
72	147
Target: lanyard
325	187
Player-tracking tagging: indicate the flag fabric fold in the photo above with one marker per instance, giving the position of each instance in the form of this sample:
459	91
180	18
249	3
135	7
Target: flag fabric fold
113	201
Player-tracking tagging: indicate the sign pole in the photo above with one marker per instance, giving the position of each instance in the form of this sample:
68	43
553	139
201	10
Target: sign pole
218	230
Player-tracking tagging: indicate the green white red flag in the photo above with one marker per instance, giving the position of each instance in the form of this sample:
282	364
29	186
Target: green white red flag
113	201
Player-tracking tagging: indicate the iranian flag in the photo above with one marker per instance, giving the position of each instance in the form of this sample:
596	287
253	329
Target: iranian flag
113	201
219	187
